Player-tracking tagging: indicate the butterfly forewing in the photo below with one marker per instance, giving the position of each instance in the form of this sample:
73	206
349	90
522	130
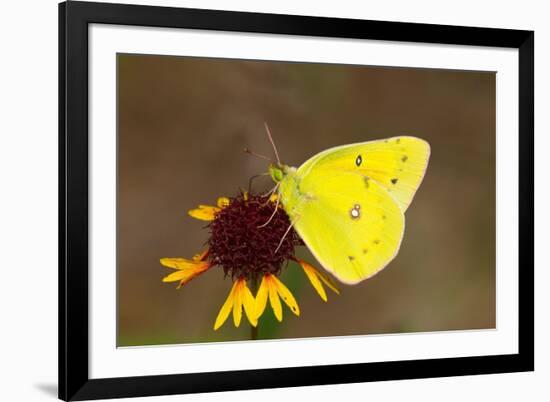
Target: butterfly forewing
397	164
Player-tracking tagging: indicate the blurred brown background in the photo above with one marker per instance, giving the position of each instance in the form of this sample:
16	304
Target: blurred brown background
183	123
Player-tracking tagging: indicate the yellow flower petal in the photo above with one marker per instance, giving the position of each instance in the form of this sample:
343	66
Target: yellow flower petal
249	305
223	202
204	212
225	310
274	297
238	303
311	273
261	298
187	269
327	281
287	296
315	277
273	197
180	263
176	276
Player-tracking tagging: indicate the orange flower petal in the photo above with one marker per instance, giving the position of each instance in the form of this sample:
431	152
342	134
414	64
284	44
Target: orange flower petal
186	269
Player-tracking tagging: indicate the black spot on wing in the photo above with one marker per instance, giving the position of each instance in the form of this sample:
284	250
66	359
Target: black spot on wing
394	181
404	158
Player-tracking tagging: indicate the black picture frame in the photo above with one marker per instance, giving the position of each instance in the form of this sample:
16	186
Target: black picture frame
74	381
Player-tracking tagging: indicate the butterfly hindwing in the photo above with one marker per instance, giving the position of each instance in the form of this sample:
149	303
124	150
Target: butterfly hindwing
396	164
349	222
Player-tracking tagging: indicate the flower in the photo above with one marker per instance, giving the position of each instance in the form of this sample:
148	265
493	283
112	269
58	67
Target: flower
251	239
186	269
274	288
243	245
240	296
316	277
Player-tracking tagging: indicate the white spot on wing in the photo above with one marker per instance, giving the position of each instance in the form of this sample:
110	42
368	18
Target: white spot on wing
355	212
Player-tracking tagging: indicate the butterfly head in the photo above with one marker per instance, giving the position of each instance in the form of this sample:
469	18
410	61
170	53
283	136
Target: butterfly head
277	172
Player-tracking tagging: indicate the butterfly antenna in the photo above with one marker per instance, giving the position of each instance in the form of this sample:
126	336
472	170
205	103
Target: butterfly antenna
272	143
248	151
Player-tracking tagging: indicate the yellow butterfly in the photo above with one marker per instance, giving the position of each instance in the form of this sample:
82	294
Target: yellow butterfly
348	203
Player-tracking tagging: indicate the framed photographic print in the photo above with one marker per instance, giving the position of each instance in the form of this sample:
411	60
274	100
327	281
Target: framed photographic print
257	200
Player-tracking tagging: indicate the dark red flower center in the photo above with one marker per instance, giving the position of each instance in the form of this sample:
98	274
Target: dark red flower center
242	246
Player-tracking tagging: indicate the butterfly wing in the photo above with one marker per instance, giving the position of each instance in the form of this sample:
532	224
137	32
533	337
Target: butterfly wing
397	164
351	225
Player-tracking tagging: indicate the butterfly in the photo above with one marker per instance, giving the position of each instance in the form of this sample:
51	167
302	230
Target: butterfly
348	203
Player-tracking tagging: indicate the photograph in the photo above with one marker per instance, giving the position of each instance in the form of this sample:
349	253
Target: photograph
265	200
275	201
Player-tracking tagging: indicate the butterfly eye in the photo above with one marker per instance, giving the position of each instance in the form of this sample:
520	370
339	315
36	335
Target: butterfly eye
358	160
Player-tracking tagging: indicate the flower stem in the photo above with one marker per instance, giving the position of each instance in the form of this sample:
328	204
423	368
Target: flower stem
254	329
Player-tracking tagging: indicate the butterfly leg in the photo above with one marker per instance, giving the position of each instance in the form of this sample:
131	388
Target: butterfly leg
272	215
270	193
286	233
252	179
